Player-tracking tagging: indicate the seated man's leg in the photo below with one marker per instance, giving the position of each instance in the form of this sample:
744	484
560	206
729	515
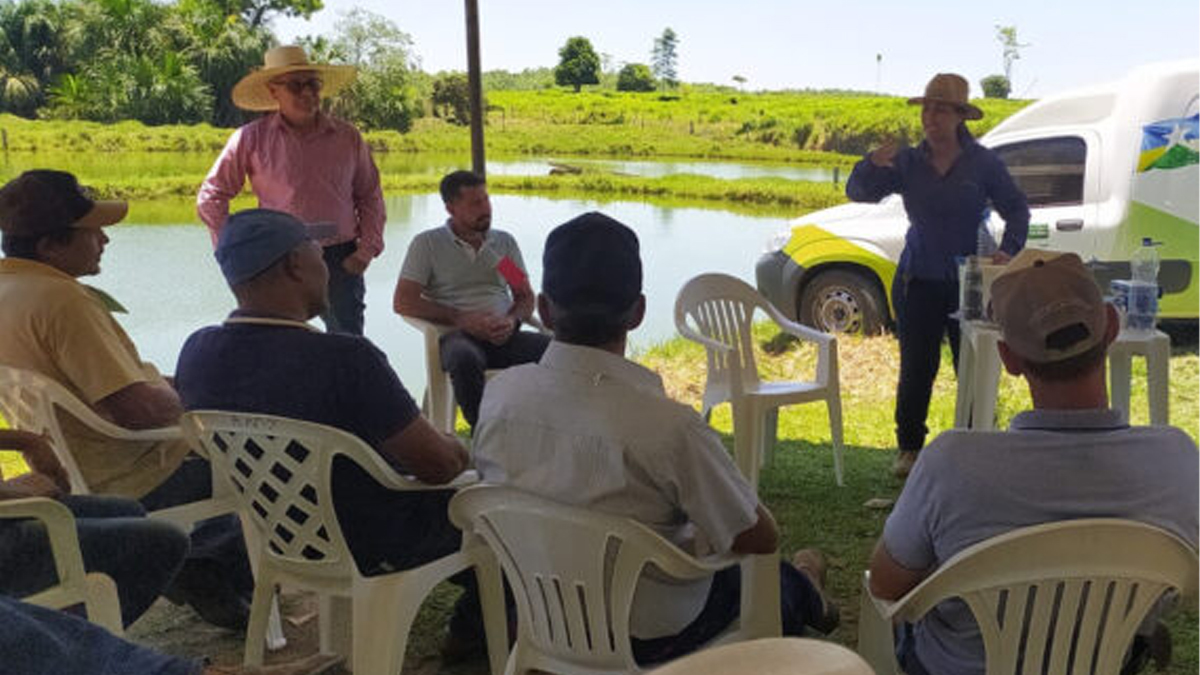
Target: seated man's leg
216	578
40	640
522	347
140	555
464	359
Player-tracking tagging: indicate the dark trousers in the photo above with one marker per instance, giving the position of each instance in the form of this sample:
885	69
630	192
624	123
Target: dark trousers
216	542
390	531
923	309
140	554
799	602
467	360
346	292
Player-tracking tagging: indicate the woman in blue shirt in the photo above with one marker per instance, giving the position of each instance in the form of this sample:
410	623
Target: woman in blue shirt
948	183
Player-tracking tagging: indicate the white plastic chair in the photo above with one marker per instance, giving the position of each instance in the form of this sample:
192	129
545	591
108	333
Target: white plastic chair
717	311
439	405
1069	592
34	402
573	573
95	591
770	656
280	471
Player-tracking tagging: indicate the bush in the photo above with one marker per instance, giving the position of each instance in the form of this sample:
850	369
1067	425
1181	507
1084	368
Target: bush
635	77
995	86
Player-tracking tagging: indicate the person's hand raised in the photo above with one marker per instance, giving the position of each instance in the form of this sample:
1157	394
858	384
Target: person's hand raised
884	154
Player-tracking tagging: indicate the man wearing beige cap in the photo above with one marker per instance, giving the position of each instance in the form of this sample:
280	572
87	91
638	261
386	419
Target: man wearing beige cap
1070	457
52	324
303	161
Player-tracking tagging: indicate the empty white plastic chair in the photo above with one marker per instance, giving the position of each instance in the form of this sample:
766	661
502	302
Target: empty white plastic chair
1068	592
280	471
573	573
717	311
770	656
95	591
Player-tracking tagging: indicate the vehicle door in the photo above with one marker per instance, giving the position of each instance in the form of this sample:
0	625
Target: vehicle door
1060	176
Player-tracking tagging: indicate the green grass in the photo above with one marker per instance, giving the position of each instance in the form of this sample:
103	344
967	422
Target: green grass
798	485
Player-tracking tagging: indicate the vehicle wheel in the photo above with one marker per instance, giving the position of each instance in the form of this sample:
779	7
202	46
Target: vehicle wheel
843	301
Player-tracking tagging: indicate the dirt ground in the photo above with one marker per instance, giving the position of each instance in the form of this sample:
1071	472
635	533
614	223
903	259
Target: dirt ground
179	631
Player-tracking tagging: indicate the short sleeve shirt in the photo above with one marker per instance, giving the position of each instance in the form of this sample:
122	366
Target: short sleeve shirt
1050	465
62	329
589	428
455	274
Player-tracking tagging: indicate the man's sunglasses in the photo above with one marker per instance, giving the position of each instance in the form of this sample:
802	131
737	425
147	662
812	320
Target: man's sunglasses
298	85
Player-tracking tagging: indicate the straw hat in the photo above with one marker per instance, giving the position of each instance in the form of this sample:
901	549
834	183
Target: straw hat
250	93
952	89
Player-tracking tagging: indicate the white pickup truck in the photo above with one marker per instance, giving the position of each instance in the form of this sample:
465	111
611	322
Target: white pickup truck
1102	167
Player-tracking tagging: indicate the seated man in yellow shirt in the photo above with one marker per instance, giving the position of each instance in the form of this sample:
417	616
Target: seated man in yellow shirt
52	324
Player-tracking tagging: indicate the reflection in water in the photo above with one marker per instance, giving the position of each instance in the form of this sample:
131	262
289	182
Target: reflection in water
168	279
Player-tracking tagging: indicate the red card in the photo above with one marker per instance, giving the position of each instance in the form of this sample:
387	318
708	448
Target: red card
511	273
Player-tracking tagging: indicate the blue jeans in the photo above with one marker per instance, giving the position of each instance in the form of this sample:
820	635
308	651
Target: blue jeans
40	641
923	309
346	293
799	602
141	555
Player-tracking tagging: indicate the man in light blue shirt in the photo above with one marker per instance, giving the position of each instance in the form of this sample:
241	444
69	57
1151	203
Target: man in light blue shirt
1070	457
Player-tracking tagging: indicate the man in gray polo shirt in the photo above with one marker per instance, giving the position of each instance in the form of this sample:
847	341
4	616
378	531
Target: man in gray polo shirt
469	276
1070	457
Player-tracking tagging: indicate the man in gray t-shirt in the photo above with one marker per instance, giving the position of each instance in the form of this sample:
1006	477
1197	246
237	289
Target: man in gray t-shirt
1070	457
471	277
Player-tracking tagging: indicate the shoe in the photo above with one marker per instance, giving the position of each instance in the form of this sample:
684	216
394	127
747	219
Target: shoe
201	586
903	463
317	664
812	564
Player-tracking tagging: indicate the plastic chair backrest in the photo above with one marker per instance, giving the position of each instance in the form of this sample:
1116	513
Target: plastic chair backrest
572	571
32	401
721	308
1061	597
280	471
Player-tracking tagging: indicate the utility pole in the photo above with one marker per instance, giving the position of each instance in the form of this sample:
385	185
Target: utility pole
475	85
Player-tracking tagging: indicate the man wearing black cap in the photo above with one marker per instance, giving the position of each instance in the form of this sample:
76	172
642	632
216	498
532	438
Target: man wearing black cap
1070	457
54	325
266	358
588	427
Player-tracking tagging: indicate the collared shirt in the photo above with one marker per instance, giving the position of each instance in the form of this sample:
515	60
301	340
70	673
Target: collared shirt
54	325
590	428
945	212
1050	465
454	273
324	176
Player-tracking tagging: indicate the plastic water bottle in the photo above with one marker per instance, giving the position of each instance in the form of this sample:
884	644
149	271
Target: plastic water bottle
1143	288
985	245
972	289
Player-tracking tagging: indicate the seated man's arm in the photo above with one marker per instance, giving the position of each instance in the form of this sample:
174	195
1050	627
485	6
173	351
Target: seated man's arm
142	405
889	579
523	302
761	537
431	456
409	300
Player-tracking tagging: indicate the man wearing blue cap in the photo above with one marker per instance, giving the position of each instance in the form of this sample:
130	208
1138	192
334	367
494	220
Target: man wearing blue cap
585	426
266	358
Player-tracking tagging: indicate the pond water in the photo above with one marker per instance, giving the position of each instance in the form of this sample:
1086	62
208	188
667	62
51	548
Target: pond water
166	275
121	165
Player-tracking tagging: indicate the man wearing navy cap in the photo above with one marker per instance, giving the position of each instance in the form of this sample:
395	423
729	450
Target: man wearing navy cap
585	426
266	358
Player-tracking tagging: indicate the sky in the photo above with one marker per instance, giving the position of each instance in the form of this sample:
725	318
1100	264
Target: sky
817	44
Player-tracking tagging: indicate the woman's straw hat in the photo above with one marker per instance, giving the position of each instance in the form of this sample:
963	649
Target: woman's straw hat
952	89
250	93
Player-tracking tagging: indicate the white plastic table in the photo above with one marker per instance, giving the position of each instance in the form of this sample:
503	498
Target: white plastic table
979	374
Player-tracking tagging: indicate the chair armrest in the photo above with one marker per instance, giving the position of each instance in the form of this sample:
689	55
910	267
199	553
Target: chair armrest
429	328
687	332
60	530
876	640
797	329
761	615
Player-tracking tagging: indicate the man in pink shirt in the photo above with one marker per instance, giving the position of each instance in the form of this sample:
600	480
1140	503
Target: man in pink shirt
305	162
